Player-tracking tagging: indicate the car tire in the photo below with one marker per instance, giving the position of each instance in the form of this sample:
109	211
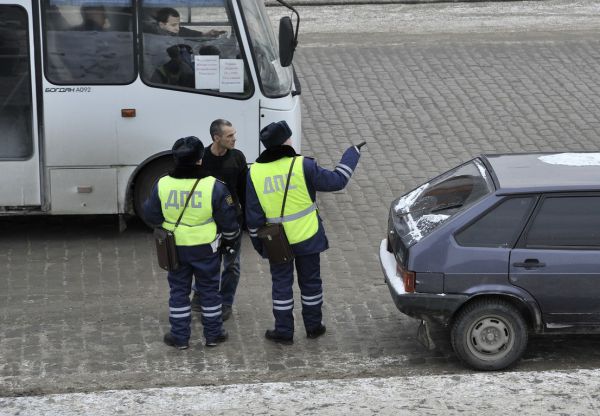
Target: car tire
489	334
145	181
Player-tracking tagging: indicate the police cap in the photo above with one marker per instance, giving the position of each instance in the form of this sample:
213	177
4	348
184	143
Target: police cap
275	134
187	151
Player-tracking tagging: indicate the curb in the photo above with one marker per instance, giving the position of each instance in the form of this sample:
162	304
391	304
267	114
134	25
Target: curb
301	3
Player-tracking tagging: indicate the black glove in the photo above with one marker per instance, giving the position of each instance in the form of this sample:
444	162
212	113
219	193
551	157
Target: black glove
227	246
358	146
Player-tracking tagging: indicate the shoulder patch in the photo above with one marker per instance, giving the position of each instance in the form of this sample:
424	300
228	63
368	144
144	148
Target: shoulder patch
229	200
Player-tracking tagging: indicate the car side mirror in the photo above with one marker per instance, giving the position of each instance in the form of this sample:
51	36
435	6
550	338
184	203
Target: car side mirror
287	41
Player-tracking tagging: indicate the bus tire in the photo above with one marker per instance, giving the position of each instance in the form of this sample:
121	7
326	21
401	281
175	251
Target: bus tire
145	181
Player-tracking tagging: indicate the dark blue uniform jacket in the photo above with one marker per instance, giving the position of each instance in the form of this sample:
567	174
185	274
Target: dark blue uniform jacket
317	179
224	210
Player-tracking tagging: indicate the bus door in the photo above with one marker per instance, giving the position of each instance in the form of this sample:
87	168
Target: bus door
19	146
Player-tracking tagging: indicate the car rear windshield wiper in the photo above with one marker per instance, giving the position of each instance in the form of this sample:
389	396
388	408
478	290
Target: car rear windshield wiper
445	207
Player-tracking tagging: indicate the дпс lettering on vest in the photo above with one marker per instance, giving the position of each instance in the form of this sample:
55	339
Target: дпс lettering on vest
277	183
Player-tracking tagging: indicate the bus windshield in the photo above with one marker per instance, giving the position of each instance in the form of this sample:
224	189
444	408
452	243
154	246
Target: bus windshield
275	80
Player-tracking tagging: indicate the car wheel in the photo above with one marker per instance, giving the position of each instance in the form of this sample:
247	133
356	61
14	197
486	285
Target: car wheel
489	334
145	181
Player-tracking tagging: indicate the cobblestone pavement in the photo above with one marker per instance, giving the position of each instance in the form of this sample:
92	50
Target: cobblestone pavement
83	307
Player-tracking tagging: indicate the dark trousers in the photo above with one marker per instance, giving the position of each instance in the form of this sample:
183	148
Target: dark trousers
311	290
206	271
230	276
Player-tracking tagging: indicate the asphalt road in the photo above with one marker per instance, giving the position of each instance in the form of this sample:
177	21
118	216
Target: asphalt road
83	308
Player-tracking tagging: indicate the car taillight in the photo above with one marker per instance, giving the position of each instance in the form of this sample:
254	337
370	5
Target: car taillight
408	278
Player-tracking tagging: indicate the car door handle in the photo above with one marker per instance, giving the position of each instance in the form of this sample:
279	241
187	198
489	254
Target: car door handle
529	264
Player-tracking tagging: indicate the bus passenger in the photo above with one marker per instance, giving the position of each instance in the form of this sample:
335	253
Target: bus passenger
94	19
178	70
168	21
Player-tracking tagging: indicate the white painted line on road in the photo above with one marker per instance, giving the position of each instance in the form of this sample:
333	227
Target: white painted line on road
525	393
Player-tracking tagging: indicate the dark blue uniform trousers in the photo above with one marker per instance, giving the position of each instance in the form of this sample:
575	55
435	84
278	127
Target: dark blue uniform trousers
206	271
230	275
311	290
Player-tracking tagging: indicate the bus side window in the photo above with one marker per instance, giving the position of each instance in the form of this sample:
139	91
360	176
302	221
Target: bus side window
89	43
172	38
15	85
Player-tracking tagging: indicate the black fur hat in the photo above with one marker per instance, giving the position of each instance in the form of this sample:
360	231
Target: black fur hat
187	151
275	134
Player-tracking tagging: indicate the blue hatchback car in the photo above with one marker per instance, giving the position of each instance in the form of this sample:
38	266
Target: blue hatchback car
497	248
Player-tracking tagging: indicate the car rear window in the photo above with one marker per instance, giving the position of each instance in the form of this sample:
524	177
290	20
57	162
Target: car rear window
419	212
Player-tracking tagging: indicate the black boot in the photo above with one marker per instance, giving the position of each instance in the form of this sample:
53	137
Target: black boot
172	342
216	341
316	333
273	335
226	312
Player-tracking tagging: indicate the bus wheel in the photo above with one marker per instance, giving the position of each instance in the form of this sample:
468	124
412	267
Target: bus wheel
145	181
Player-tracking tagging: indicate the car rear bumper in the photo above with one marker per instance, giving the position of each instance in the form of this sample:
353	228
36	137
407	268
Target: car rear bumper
437	307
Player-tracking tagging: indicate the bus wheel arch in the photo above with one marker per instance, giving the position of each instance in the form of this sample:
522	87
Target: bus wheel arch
143	180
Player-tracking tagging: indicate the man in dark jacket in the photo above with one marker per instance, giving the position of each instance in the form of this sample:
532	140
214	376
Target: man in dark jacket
226	163
209	214
302	224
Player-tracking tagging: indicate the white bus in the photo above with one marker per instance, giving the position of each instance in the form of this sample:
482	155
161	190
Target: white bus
93	93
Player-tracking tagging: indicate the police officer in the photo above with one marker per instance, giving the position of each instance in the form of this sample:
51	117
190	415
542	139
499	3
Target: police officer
301	222
209	216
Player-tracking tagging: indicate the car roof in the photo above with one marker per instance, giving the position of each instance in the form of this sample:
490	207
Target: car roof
523	172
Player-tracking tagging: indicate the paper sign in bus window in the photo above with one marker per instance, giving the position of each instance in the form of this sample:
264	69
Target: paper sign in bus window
232	75
207	72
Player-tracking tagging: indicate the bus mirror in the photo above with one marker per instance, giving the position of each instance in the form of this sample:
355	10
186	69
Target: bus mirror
287	41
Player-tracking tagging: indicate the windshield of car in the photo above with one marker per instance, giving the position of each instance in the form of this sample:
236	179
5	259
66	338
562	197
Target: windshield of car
275	80
420	211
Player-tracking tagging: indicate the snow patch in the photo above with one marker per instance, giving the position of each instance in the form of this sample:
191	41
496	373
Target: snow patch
409	199
432	219
572	159
482	170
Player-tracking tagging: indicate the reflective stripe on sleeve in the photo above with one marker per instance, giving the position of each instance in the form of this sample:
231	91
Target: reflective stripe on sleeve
343	172
232	235
345	167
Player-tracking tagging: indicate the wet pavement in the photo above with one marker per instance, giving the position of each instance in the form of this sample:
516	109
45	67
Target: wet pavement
84	307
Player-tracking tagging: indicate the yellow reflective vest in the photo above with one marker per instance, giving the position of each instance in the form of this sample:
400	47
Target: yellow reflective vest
197	225
300	220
